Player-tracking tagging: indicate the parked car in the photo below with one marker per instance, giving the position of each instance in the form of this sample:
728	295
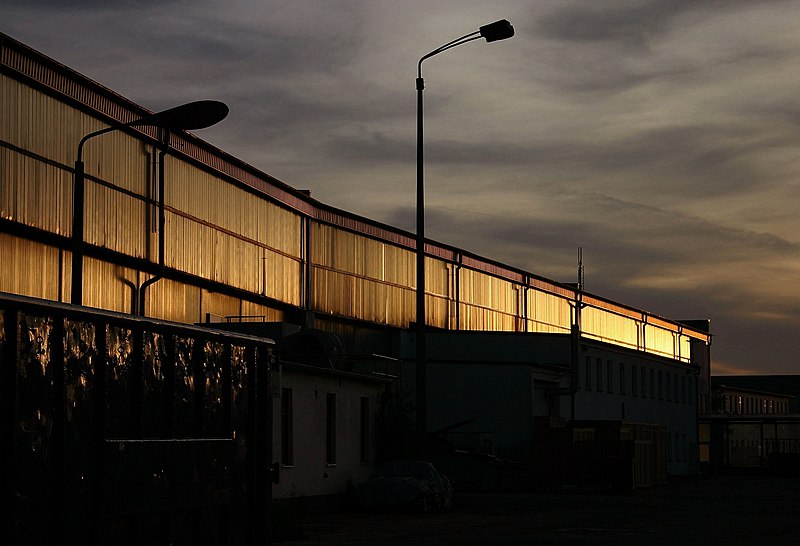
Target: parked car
406	484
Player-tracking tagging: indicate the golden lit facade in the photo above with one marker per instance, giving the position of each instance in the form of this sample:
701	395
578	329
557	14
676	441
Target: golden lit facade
237	242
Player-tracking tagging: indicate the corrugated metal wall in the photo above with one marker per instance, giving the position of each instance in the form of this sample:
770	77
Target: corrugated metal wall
29	268
230	234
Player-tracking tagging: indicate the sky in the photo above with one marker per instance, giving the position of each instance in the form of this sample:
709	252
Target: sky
661	137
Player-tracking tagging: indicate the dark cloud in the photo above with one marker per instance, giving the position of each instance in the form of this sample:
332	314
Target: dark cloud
630	22
93	5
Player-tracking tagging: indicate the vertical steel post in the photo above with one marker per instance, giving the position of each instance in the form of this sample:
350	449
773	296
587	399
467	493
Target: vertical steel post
76	293
421	371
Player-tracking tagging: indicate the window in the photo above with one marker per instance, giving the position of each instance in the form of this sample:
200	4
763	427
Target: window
287	426
599	375
588	372
652	383
621	378
677	396
660	385
669	446
643	391
364	430
330	428
634	380
610	376
669	386
683	389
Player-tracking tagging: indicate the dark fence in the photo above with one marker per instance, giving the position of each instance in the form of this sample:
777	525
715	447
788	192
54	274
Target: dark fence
122	430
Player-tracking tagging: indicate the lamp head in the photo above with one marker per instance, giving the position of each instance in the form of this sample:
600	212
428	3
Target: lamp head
499	30
193	115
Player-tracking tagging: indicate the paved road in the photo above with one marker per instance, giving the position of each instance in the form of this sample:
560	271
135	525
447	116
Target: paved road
726	510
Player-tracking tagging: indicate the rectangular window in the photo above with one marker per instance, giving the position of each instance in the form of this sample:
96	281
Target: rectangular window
599	375
652	383
621	378
644	383
588	372
660	385
669	446
677	391
634	380
669	386
610	376
683	389
364	430
330	429
287	426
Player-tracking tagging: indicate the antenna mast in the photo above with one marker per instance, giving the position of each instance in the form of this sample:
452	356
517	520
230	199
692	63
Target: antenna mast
580	269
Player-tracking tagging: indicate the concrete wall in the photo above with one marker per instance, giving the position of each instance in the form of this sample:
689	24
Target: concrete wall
310	474
601	399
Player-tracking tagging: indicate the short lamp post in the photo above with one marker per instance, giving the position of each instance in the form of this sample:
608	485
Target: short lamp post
190	116
499	30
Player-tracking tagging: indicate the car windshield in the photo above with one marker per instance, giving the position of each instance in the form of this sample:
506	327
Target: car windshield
402	468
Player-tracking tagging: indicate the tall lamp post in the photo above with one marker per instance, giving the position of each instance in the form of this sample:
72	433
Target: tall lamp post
190	116
499	30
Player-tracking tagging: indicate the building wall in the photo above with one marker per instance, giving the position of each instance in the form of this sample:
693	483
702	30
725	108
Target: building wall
748	402
497	386
308	472
630	386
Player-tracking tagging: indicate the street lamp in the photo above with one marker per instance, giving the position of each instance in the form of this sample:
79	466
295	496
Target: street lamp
499	30
190	116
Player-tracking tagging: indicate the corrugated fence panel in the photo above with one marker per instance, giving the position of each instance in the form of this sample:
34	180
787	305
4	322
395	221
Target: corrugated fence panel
30	269
35	193
548	313
660	341
201	195
610	327
109	286
120	160
257	311
116	221
487	302
170	300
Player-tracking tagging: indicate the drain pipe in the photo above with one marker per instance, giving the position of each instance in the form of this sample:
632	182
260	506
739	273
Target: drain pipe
161	223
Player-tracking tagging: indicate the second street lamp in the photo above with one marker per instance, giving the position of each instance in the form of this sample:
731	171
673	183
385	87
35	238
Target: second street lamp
499	30
190	116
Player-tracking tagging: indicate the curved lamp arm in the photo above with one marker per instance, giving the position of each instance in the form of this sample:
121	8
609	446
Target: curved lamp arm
499	30
193	115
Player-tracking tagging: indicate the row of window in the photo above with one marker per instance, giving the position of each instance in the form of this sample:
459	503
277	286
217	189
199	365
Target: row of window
752	405
642	381
287	428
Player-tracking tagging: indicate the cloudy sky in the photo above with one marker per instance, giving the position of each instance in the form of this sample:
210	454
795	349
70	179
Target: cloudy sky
660	136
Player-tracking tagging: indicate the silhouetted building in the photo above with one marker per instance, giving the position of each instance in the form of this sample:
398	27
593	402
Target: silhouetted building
759	394
514	357
753	423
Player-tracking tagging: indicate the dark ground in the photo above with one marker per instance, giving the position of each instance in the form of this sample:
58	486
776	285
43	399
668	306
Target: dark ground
743	509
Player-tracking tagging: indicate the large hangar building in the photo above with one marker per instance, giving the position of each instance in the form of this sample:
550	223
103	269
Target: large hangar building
515	359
